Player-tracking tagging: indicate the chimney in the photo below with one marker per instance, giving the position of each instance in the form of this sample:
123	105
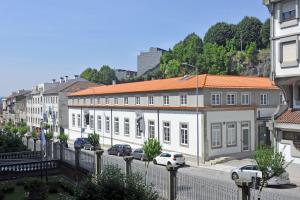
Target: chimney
61	79
66	78
53	80
76	76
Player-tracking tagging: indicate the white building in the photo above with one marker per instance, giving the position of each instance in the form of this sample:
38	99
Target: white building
219	118
285	33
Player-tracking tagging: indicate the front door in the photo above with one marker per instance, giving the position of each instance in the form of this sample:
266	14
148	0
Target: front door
245	136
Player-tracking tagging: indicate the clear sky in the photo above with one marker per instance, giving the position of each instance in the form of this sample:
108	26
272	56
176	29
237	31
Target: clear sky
41	40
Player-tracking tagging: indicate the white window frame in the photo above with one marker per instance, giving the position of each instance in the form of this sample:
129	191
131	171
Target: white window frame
106	100
167	131
280	52
137	100
184	133
126	127
151	129
183	99
92	122
249	100
126	100
264	99
116	126
78	120
107	124
99	123
229	100
73	120
150	100
116	100
215	141
231	134
213	100
166	100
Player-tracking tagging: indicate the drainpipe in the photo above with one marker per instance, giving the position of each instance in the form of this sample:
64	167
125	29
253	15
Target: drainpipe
111	131
158	126
81	122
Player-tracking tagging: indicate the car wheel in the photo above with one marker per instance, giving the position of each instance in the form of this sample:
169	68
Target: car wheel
154	162
118	154
169	163
234	176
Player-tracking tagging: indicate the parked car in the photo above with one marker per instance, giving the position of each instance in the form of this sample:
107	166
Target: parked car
80	142
139	154
169	158
120	150
250	172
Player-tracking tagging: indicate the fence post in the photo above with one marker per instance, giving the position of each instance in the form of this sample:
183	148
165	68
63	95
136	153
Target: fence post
172	181
128	160
244	189
34	144
98	161
61	152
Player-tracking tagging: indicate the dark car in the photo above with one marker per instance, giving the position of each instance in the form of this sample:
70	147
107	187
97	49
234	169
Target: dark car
80	142
139	154
120	150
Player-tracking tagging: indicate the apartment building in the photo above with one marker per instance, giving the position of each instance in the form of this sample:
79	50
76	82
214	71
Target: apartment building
285	33
123	74
203	116
149	60
14	107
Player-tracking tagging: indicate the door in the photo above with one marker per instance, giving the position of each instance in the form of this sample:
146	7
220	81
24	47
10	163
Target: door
245	136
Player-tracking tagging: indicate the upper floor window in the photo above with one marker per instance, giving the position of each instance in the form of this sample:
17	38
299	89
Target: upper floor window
264	99
245	99
288	51
183	100
106	100
166	100
116	100
288	15
216	99
150	100
137	100
288	10
84	101
126	100
231	99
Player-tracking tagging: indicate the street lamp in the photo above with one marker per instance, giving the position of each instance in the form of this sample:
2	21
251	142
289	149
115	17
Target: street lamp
197	108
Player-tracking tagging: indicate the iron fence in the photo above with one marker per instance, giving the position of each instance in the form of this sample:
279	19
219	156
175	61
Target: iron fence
267	195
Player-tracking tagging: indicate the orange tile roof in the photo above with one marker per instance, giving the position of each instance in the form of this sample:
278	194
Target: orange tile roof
289	117
181	83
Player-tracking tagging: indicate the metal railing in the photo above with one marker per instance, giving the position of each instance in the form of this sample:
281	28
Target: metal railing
28	167
20	155
267	195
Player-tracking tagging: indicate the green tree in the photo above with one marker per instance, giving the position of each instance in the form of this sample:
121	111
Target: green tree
248	30
251	54
63	138
49	136
106	75
152	148
94	140
265	34
22	130
171	69
220	33
90	75
270	163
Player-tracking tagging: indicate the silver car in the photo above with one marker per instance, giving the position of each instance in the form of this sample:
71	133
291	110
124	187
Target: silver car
249	172
139	154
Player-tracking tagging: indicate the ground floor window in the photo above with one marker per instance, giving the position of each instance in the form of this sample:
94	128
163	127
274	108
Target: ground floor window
184	134
216	135
99	123
126	126
231	134
79	121
166	131
116	125
151	129
92	123
107	124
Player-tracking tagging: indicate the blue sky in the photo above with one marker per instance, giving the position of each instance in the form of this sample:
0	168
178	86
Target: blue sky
41	40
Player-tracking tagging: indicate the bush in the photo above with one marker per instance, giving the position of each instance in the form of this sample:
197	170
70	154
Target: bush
67	187
2	196
37	189
53	186
7	187
20	182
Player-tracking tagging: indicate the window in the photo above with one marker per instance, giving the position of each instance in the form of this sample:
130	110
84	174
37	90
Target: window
116	100
263	99
126	100
107	124
116	125
288	15
245	99
281	99
230	99
106	100
184	134
78	121
73	120
92	125
216	135
98	100
166	131
137	100
151	129
99	123
166	100
126	126
91	101
216	99
288	52
150	100
183	100
84	101
231	134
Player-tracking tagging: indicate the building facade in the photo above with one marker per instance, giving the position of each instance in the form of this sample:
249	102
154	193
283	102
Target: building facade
14	107
149	60
285	33
123	74
204	117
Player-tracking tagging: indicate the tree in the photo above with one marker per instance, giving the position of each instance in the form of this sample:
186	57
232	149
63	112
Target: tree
90	75
152	148
63	138
49	136
171	69
270	163
251	54
113	184
248	30
94	140
220	33
265	34
106	75
22	130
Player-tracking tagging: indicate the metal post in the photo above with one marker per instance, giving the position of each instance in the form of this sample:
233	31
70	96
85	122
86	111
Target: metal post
98	159
197	113
61	151
34	145
128	160
77	152
172	182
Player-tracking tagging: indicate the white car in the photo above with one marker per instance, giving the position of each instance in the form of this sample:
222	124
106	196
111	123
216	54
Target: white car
249	172
169	158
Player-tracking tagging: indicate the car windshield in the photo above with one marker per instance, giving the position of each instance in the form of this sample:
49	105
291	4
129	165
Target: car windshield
127	146
178	156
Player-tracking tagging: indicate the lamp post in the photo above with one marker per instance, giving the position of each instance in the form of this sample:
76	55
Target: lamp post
197	108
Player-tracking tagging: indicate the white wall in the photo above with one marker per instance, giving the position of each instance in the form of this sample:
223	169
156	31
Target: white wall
286	150
230	116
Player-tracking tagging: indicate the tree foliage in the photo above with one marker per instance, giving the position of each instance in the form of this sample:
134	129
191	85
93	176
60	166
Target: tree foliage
220	33
152	148
265	33
105	75
94	139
